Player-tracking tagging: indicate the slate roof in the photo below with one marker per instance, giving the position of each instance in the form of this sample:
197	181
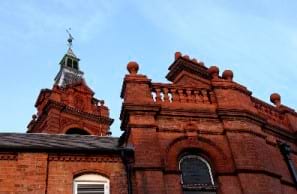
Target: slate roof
57	142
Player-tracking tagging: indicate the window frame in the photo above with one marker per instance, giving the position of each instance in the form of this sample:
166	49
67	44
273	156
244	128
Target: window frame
91	178
199	187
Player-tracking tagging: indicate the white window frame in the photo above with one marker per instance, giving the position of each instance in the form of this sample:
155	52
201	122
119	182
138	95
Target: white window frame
91	179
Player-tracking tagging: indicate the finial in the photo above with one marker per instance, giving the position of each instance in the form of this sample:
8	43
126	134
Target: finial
275	98
214	71
201	63
34	117
186	57
132	67
228	75
194	60
70	38
177	55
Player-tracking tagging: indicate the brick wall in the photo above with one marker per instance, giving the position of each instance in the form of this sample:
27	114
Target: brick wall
38	173
214	116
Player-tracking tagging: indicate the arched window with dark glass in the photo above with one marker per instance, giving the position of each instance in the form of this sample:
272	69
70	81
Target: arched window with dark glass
196	177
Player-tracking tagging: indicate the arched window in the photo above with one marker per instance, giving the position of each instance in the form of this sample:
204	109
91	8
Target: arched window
91	184
196	175
76	131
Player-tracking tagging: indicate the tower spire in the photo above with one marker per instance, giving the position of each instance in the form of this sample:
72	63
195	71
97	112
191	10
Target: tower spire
69	72
70	106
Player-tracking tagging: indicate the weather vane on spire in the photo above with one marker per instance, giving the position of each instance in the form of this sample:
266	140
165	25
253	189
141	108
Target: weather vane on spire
70	38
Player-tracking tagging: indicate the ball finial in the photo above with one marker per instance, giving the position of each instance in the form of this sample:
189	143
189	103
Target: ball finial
201	63
177	55
132	67
228	75
275	98
186	57
195	60
34	117
214	71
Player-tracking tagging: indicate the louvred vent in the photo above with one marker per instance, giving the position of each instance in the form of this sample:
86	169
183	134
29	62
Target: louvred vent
90	189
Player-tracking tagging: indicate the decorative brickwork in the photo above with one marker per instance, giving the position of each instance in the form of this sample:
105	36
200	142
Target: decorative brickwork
246	145
40	173
204	113
70	105
84	158
8	156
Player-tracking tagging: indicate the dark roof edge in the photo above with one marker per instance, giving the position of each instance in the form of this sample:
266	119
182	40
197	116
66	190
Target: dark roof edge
60	143
72	150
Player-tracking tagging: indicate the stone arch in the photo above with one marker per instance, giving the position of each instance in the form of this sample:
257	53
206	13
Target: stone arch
220	159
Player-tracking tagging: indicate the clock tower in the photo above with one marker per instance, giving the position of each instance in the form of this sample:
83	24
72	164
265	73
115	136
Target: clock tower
70	106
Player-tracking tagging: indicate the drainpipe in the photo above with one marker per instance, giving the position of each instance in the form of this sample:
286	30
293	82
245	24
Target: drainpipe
286	151
127	157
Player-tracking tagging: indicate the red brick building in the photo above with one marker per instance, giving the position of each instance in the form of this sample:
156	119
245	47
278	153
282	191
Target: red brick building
200	133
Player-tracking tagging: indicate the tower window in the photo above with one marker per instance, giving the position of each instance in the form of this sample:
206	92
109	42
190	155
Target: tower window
75	65
69	63
196	175
91	184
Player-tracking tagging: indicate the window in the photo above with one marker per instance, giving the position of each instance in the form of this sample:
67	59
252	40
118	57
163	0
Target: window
75	65
69	62
196	175
91	184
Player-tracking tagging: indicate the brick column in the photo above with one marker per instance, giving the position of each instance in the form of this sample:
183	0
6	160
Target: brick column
138	122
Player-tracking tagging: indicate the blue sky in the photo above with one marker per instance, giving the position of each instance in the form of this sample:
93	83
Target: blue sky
257	39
